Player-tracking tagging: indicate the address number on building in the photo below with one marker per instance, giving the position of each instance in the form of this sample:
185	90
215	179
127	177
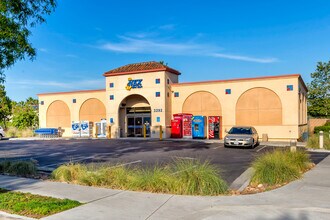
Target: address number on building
158	110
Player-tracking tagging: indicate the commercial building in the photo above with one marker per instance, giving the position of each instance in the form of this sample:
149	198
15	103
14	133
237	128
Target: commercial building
149	93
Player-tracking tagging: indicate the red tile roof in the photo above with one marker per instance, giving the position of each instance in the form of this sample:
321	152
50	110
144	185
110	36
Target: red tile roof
143	67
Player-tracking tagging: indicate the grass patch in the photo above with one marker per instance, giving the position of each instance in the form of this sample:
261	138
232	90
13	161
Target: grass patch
184	177
34	206
280	167
18	168
313	141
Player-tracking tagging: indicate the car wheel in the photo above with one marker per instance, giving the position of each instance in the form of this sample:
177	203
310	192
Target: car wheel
252	145
1	136
226	146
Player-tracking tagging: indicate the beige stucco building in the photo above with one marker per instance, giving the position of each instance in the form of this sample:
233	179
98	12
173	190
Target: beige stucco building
150	93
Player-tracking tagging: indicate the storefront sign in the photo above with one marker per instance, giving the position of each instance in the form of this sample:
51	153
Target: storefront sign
134	84
158	110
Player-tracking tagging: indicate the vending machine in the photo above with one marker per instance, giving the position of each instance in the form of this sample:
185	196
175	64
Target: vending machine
86	128
75	128
185	119
198	126
176	128
214	127
101	128
186	125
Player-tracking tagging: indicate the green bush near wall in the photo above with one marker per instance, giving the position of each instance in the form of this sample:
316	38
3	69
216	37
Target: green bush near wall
324	128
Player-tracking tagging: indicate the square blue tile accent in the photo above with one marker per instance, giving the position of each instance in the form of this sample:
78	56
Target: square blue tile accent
228	91
111	85
74	100
42	102
157	94
112	97
157	81
289	88
176	94
111	120
157	119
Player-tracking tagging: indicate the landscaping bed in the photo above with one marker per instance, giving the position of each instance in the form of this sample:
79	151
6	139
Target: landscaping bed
277	168
183	177
34	206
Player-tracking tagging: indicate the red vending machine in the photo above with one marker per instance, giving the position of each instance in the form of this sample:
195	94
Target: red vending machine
186	125
214	127
176	128
181	121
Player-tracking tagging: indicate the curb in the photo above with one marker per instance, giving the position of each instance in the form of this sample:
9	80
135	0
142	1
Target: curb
241	182
14	216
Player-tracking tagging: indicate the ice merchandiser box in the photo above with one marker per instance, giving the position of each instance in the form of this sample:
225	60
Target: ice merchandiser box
198	126
176	127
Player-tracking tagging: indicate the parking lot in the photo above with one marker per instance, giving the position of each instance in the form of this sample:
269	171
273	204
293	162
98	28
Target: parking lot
50	154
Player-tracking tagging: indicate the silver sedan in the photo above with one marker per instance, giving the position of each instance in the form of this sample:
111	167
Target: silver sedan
242	137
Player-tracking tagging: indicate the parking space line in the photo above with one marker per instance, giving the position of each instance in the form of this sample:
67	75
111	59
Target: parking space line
124	164
188	158
261	148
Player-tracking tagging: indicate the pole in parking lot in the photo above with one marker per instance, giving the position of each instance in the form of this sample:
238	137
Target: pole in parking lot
144	131
109	132
321	140
293	145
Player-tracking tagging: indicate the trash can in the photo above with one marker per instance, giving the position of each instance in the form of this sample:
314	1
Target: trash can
264	137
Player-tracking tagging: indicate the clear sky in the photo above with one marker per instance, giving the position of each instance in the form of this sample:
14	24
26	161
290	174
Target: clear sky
204	40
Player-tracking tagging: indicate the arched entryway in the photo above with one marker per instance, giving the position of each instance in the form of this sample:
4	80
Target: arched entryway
259	106
134	112
58	115
92	110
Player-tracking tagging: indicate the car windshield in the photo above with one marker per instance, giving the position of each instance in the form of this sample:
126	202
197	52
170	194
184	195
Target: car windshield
236	130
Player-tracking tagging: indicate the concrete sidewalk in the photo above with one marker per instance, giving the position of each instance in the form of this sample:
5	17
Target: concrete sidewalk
307	198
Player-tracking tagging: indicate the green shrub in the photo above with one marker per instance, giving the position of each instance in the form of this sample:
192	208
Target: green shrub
188	177
14	132
279	167
20	168
324	128
313	141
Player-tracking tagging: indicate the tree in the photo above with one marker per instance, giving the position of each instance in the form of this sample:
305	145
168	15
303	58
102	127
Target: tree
319	91
5	107
16	17
25	114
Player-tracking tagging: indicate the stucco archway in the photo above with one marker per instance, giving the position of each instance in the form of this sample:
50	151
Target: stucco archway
58	115
134	112
259	106
92	110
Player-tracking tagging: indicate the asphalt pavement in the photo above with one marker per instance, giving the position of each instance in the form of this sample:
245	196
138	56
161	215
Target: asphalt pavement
50	154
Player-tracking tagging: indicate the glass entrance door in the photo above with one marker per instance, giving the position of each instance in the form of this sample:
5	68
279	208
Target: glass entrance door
136	118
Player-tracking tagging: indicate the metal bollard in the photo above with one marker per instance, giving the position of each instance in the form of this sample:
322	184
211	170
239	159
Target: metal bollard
160	133
144	131
109	132
293	145
321	140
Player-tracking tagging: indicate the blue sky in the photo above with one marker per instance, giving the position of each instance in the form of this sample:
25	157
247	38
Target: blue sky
204	40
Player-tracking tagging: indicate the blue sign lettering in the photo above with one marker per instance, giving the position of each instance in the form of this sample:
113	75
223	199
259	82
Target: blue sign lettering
134	84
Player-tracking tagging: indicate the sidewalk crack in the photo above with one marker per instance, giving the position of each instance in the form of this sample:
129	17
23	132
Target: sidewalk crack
159	207
104	197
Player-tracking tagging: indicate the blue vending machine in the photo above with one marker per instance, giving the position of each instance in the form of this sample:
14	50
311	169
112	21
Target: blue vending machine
198	126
